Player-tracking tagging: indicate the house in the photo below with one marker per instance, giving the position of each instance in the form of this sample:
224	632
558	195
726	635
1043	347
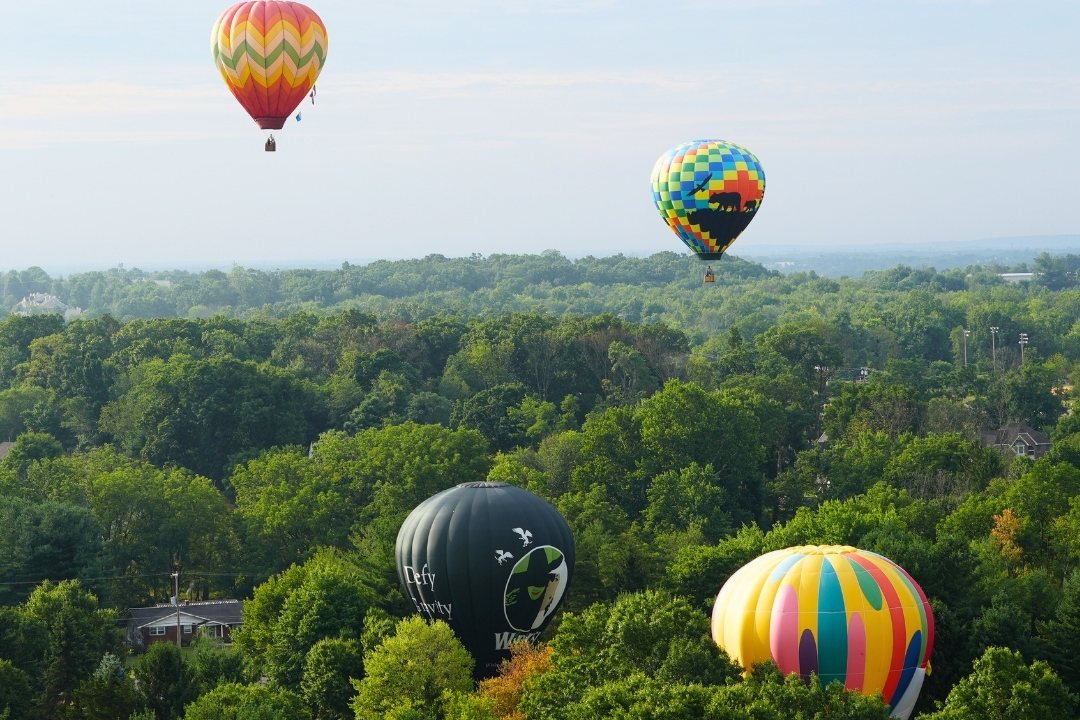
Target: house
1014	278
210	618
40	303
1018	439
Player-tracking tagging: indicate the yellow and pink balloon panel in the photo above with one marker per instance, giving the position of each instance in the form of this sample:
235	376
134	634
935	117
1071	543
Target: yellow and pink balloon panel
270	53
834	611
708	191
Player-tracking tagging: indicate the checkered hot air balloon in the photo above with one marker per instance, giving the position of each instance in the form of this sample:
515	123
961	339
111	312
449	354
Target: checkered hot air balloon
833	611
270	53
708	191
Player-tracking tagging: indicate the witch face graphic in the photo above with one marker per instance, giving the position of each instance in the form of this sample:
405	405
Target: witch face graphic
534	588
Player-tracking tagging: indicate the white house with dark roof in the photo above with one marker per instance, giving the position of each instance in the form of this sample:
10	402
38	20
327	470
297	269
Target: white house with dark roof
163	622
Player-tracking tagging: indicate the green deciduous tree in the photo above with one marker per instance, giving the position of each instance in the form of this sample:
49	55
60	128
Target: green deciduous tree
164	681
942	466
326	597
108	694
207	414
213	664
766	694
689	498
413	669
45	541
648	633
233	701
328	668
1059	636
76	633
15	691
1002	687
16	405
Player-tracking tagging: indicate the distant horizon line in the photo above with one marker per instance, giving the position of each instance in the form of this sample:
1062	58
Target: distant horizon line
1058	243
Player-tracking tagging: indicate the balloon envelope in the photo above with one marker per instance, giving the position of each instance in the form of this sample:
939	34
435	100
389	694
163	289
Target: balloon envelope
269	52
708	191
492	560
838	612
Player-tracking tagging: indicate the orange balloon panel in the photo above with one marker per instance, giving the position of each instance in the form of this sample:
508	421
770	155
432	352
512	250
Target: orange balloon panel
270	52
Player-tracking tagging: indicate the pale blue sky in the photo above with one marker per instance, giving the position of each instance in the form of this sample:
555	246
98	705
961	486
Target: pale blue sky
521	125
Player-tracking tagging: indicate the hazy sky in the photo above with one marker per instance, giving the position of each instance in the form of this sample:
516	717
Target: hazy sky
461	126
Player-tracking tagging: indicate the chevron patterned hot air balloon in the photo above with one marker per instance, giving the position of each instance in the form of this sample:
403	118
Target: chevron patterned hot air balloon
270	52
832	610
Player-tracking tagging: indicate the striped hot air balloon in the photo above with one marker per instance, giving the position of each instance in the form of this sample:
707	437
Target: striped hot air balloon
834	611
270	52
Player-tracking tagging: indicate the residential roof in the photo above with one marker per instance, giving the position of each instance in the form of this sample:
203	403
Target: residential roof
39	302
1008	435
217	612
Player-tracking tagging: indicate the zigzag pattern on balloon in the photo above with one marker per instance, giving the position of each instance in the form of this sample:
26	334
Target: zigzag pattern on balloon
269	52
298	56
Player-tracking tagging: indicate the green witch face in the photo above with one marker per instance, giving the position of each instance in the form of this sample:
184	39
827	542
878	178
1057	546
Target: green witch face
534	588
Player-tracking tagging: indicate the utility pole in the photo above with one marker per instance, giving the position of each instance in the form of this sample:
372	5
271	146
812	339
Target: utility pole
176	603
993	346
966	333
1023	343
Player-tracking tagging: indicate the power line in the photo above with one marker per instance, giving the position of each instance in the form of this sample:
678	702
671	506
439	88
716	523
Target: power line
81	579
199	573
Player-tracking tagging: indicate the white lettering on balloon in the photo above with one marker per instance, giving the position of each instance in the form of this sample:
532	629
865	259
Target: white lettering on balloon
431	609
424	578
503	640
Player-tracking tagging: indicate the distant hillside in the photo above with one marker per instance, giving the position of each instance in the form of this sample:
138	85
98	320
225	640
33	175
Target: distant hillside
1007	253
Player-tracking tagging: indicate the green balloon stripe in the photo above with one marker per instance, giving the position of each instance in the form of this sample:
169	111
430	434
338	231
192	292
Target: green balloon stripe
243	49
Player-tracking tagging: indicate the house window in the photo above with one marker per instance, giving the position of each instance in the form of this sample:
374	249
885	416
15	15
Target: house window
157	630
187	629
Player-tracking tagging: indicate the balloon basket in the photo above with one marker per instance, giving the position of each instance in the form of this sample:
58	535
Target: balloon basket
271	144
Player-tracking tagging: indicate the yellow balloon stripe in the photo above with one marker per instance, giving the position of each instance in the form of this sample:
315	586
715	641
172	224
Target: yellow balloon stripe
737	618
244	52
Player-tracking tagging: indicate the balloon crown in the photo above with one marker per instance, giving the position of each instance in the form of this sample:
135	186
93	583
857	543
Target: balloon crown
822	549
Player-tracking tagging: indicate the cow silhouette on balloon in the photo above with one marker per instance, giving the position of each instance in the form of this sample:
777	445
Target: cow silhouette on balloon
725	217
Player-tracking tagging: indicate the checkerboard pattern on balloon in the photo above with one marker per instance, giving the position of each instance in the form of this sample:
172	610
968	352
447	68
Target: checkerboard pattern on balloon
687	177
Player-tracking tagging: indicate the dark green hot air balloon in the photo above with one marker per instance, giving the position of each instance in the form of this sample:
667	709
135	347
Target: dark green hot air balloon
492	560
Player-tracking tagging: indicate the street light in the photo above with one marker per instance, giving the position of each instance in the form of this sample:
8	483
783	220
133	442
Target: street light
1023	343
993	346
176	603
966	333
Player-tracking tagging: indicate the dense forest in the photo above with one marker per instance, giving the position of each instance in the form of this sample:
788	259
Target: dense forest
264	433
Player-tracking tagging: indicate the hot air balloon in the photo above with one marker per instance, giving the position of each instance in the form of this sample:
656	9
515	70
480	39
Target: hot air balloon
269	52
835	611
492	560
708	191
